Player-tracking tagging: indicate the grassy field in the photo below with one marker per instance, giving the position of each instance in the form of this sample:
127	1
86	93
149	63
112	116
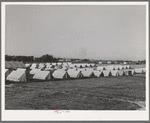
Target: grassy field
106	93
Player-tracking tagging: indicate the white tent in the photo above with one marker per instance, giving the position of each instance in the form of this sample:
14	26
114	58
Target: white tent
71	65
92	64
54	64
78	65
27	65
74	74
98	73
34	71
120	67
87	73
59	63
81	69
128	66
133	71
47	64
21	69
17	76
138	70
114	73
61	70
110	68
41	66
33	66
121	73
42	75
88	65
60	74
48	69
100	68
106	72
116	67
83	65
65	64
128	72
89	69
6	72
125	67
144	70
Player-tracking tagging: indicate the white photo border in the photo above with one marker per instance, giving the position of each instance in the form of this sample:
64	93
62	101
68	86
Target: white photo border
74	115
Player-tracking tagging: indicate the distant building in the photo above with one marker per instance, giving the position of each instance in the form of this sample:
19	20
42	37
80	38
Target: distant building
68	60
116	62
109	62
100	62
61	60
125	62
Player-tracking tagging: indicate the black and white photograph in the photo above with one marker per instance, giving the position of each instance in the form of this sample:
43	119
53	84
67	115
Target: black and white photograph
75	60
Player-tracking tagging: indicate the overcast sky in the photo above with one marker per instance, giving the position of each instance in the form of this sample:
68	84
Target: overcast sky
95	32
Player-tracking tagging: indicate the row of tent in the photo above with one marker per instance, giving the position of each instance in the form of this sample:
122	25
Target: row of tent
19	75
51	66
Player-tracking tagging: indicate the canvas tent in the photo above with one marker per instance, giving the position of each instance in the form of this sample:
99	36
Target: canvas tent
100	68
49	66
19	64
87	73
128	67
27	65
15	64
17	76
34	71
58	67
110	68
98	73
116	67
60	74
121	73
114	73
41	66
144	70
6	72
120	67
8	66
106	72
138	70
133	71
59	63
71	65
74	74
89	69
54	64
33	66
42	75
127	72
65	64
48	69
81	69
88	65
92	65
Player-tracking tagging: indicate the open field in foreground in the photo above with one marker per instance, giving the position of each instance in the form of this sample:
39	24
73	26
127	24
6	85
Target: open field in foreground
106	93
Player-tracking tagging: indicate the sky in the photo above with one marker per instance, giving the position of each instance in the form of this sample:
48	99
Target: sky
89	32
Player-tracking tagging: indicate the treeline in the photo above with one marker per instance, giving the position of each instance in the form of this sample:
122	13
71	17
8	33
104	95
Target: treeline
44	58
19	58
